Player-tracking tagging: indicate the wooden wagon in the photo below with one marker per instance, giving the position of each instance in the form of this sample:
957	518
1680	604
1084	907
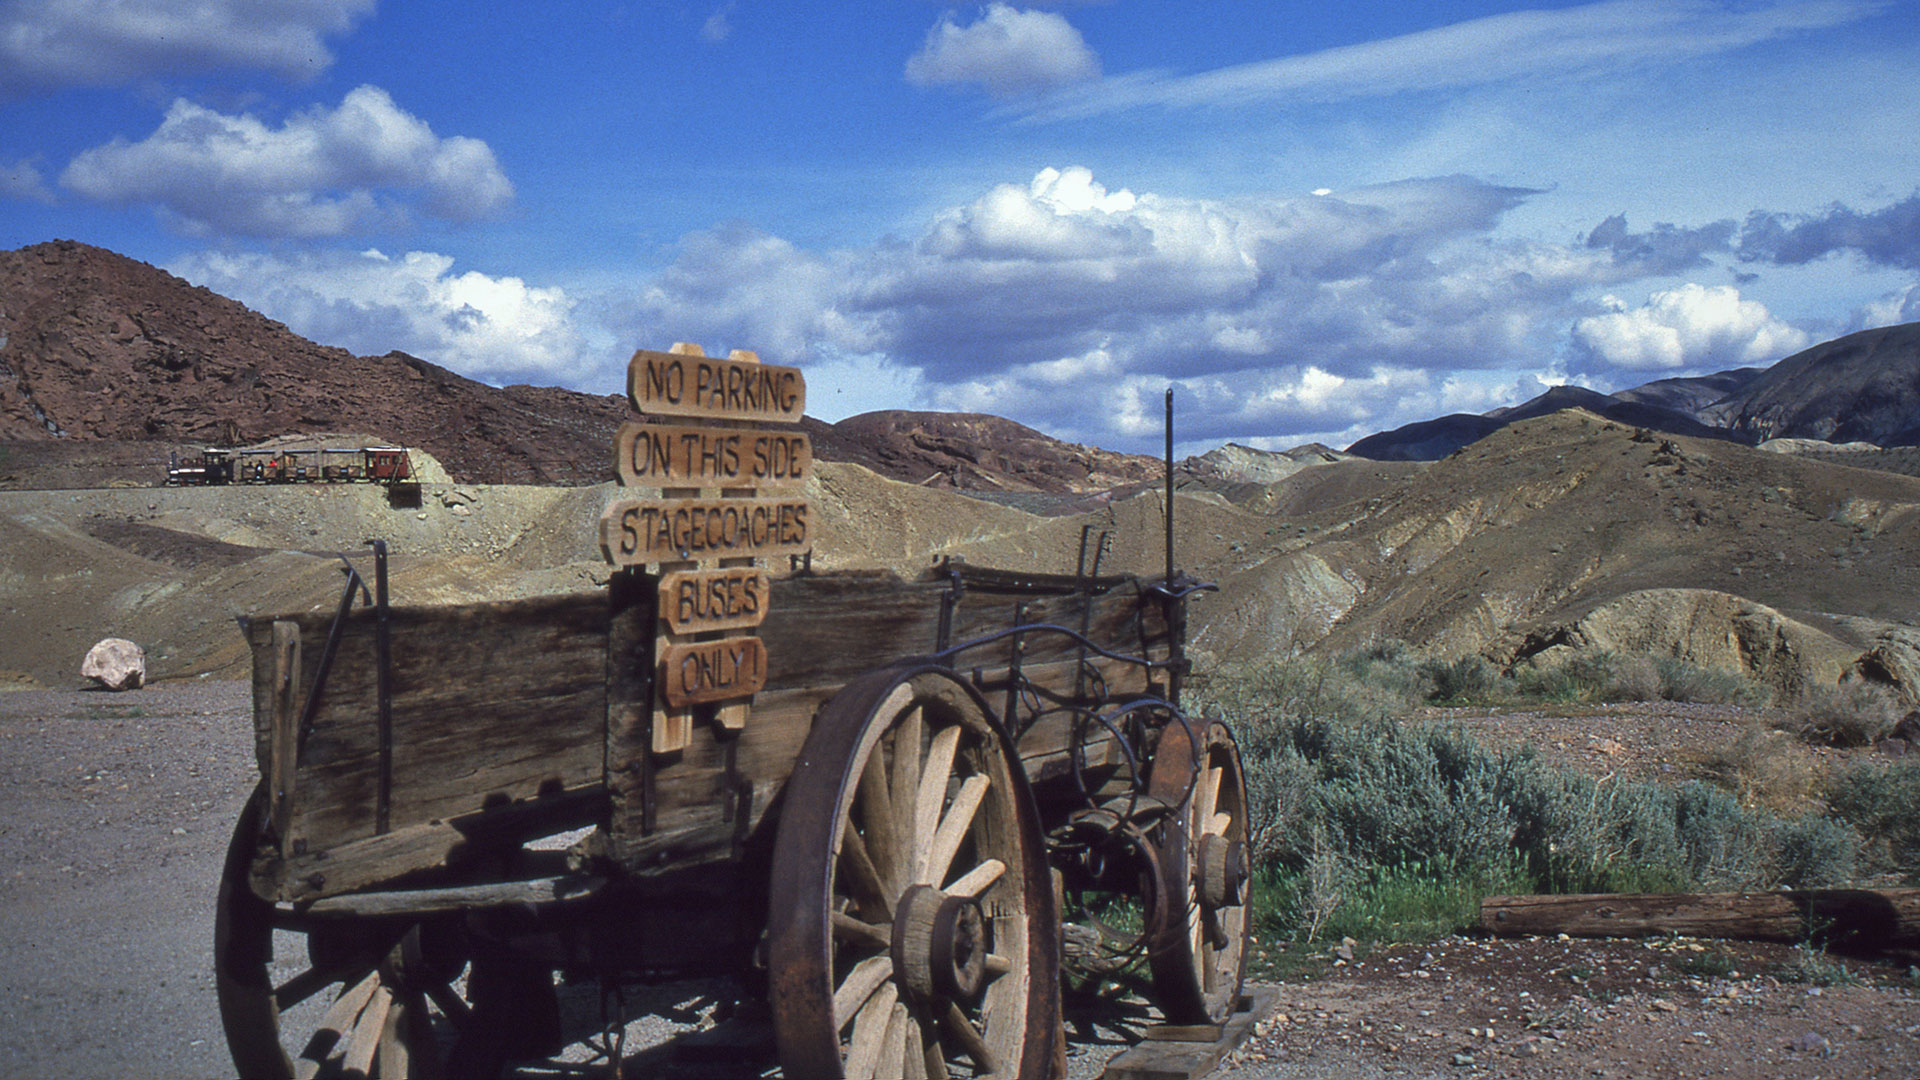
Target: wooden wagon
466	811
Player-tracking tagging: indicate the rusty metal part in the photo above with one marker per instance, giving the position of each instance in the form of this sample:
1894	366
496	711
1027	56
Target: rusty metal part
843	878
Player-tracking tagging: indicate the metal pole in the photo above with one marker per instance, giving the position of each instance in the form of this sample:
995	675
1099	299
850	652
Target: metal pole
1169	484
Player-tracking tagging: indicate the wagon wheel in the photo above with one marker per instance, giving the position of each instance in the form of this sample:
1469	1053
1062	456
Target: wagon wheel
911	931
349	996
1199	962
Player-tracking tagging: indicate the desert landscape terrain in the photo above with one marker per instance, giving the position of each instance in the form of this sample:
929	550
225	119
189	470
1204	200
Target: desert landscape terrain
1661	531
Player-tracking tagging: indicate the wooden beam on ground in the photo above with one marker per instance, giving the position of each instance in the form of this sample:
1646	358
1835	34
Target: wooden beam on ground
1876	918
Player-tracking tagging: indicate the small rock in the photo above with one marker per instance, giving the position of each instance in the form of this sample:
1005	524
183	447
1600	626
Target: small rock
1811	1042
1463	1059
1664	1005
116	663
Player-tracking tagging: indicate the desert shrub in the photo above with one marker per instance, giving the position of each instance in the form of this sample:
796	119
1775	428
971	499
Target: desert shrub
1881	800
1682	680
1847	714
1392	668
1762	767
1550	682
1466	679
1359	822
1635	678
1813	852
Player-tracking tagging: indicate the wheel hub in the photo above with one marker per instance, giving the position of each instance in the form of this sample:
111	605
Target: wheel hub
1222	871
940	944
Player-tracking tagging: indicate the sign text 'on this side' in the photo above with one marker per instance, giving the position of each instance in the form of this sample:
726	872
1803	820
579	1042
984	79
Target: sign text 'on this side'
669	455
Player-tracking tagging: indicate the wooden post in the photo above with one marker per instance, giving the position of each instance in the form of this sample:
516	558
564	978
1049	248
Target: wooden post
723	498
1877	918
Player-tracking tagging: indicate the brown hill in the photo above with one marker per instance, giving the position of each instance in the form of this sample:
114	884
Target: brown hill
107	363
1864	387
99	347
1570	530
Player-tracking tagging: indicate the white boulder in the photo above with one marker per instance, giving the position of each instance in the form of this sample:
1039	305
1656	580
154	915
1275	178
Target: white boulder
116	663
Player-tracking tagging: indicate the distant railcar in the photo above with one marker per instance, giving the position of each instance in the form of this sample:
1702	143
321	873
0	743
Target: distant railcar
388	465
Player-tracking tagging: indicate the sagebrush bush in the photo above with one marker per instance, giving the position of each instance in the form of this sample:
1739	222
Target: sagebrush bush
1847	714
1882	801
1462	680
1682	680
1636	678
1348	805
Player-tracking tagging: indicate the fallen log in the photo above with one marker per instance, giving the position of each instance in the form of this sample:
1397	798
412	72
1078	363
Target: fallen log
1860	918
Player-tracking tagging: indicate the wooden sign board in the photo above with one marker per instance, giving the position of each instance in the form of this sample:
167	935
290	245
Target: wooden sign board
704	671
679	384
696	600
671	455
634	532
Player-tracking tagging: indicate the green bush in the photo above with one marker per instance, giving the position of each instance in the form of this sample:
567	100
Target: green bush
1682	680
1882	801
1361	821
1463	680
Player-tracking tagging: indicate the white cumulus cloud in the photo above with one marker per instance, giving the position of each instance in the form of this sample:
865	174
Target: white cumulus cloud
1690	328
1008	51
365	166
47	44
1902	306
499	329
1043	300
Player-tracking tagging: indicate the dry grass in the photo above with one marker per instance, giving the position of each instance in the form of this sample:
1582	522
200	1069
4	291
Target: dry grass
1766	767
1850	714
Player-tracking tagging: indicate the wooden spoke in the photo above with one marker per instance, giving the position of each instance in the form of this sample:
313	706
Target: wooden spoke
913	1058
997	964
969	1038
933	791
394	1051
953	829
869	1037
875	804
860	984
340	1014
1207	795
893	1046
975	881
1218	824
365	1043
861	882
847	928
906	776
305	985
933	1058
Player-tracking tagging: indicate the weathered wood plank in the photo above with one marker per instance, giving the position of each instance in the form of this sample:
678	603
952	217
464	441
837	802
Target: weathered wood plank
1868	917
491	704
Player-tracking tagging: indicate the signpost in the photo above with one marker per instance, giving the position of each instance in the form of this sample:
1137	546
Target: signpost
722	499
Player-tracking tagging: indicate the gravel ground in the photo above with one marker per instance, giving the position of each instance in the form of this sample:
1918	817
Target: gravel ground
114	814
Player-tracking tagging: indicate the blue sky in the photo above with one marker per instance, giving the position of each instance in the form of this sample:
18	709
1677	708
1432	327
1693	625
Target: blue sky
1316	221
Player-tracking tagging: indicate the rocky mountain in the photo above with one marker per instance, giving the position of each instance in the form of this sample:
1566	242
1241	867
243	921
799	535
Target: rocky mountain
1431	440
106	363
1864	387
